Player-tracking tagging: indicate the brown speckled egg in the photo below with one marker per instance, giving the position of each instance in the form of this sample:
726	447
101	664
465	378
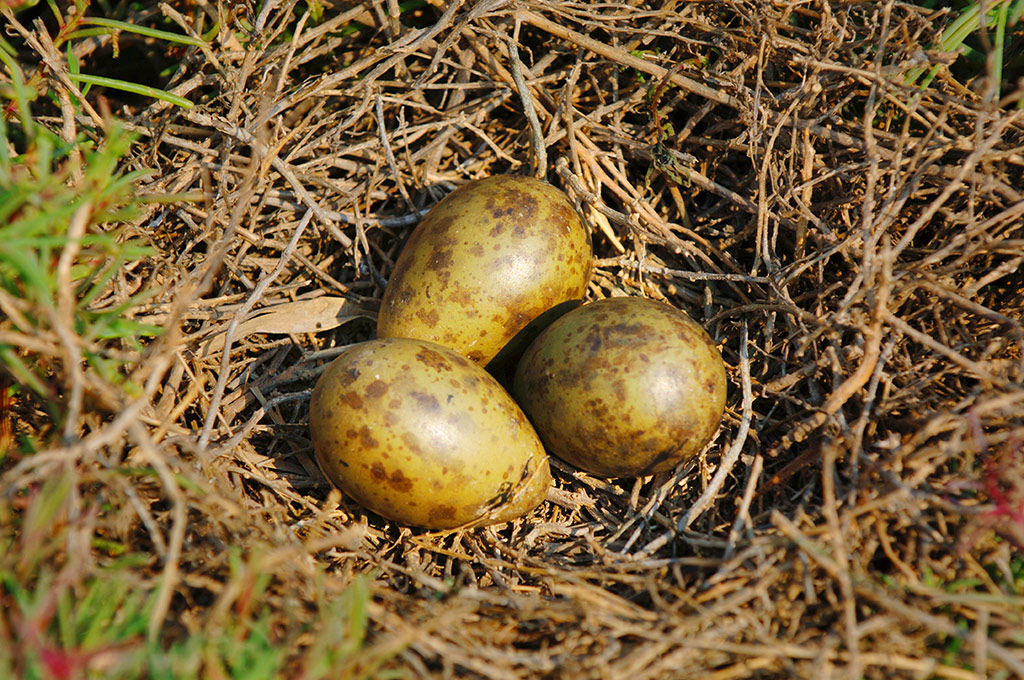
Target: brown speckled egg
623	387
488	259
420	434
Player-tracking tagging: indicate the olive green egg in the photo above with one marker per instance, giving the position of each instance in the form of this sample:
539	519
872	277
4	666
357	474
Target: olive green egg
488	259
423	436
623	387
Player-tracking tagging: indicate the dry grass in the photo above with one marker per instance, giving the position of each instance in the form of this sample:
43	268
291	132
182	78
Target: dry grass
855	247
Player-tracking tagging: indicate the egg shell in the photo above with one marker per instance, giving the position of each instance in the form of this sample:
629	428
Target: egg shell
420	434
488	259
623	387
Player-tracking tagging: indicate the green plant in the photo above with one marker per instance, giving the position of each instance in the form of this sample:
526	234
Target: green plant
63	204
73	24
67	610
343	632
999	17
58	616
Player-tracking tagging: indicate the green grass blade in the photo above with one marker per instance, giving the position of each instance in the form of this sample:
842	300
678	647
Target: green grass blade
32	271
998	45
958	31
22	94
1016	12
22	373
65	620
86	33
144	30
98	610
134	88
1001	13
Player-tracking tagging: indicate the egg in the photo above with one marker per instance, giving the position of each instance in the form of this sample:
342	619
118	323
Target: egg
485	262
421	435
623	387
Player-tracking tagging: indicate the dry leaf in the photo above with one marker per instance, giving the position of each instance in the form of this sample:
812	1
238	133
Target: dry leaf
302	316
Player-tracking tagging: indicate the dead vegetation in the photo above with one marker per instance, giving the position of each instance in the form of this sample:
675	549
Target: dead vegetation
854	245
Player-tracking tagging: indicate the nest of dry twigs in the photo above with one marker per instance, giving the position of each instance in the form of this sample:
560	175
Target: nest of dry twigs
854	245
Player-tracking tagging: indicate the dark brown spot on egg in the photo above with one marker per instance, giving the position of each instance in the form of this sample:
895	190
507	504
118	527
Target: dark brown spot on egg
524	205
516	321
376	389
412	444
399	482
366	437
426	402
630	330
434	360
440	260
348	376
429	317
438	223
461	296
563	214
496	208
351	399
620	390
378	472
442	512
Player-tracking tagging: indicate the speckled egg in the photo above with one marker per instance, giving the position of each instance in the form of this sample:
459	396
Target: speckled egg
623	387
488	259
420	434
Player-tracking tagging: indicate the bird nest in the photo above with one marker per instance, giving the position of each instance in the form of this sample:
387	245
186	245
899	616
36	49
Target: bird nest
852	242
